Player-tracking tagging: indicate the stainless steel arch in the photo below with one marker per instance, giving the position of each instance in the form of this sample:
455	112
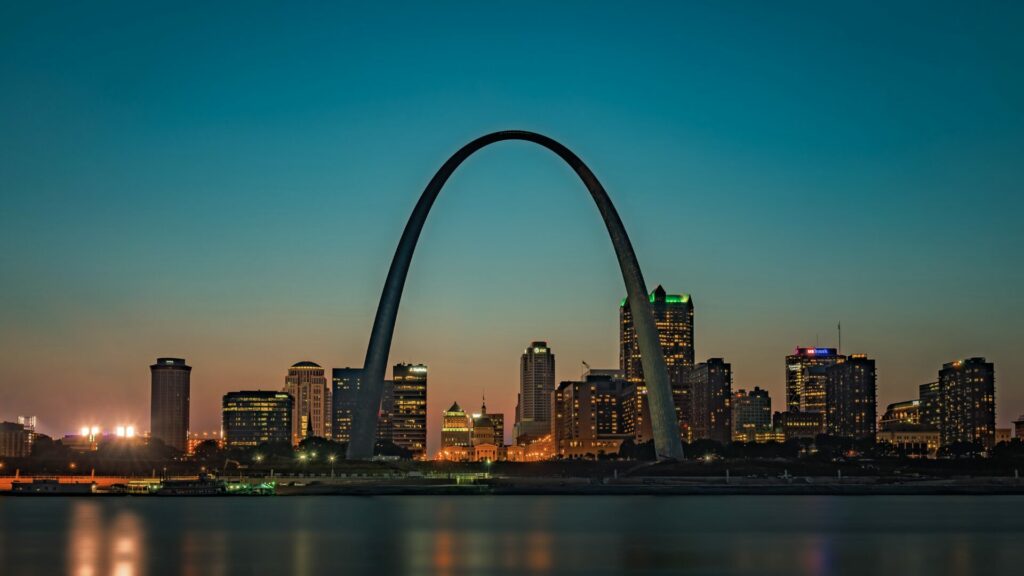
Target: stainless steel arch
663	416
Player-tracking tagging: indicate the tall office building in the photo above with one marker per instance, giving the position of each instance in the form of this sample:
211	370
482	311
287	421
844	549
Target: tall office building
751	414
536	390
806	374
850	397
455	429
345	385
254	417
710	385
588	416
409	415
312	410
673	315
385	416
967	406
930	411
169	402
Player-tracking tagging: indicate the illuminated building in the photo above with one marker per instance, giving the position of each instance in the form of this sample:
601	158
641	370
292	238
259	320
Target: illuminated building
385	416
312	408
488	428
197	438
710	385
532	450
751	414
1018	427
455	428
169	402
799	424
806	373
911	441
588	416
673	315
900	415
253	417
850	397
409	416
345	384
930	410
536	389
967	407
15	440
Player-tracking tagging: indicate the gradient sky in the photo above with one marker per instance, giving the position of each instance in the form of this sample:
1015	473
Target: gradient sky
227	183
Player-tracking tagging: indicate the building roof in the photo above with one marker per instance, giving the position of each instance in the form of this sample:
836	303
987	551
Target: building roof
455	408
305	364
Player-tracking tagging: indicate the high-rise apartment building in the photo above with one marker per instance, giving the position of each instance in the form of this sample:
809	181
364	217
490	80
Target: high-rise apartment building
806	374
588	416
967	405
254	417
455	429
536	390
751	414
930	398
673	315
409	415
710	385
345	385
169	402
850	397
312	409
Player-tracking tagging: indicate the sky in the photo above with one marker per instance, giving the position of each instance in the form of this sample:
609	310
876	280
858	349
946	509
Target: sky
227	183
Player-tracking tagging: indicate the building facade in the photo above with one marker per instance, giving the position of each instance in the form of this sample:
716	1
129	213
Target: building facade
673	316
793	425
536	390
850	390
901	415
588	417
967	406
15	440
312	407
169	402
345	385
751	414
254	417
409	414
806	375
455	430
710	385
386	414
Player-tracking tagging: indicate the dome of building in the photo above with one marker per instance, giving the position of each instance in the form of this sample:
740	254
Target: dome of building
305	364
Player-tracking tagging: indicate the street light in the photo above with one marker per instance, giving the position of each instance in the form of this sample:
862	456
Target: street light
331	458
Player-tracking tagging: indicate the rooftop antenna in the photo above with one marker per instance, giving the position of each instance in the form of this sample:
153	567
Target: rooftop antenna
587	366
839	327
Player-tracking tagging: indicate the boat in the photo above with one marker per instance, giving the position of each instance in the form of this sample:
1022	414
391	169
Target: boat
51	487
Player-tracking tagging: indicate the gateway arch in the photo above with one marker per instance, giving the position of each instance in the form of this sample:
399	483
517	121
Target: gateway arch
667	442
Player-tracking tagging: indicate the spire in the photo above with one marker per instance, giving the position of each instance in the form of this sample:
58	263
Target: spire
483	404
309	424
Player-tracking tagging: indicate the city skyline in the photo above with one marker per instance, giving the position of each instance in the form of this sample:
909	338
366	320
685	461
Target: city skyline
840	204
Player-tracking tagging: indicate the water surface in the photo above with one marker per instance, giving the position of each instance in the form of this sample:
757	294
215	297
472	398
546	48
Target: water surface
512	535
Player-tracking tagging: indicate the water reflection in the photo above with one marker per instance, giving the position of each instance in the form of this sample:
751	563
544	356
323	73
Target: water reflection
104	541
510	536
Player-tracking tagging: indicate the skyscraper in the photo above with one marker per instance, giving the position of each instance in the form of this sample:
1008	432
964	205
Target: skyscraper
850	397
169	402
345	385
409	416
806	373
673	315
252	417
455	428
710	385
385	416
536	390
312	410
930	396
967	406
751	414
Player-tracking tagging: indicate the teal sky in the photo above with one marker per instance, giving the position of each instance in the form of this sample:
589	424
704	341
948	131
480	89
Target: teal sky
227	183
